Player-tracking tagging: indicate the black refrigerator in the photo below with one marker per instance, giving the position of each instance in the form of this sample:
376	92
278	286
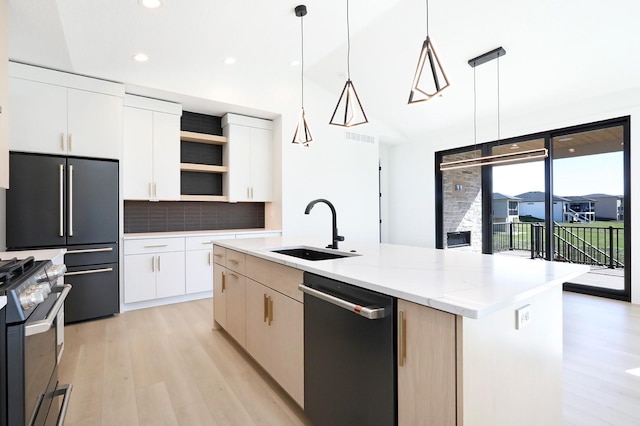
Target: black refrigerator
72	203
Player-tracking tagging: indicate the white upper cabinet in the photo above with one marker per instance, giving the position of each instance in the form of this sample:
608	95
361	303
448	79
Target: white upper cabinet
64	114
249	156
151	158
4	99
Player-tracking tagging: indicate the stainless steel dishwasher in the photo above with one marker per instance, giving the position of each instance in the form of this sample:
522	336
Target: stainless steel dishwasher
349	354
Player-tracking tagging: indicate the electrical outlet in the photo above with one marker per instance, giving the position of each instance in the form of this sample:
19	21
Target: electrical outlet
523	317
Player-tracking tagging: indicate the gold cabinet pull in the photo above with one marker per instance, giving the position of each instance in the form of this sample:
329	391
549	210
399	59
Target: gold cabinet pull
209	258
402	338
224	279
270	310
265	308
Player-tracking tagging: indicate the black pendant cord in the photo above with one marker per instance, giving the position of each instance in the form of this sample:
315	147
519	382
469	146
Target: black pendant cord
498	73
348	45
427	18
475	111
302	60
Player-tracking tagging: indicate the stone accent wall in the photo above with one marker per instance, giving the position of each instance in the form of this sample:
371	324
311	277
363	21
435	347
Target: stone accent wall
462	201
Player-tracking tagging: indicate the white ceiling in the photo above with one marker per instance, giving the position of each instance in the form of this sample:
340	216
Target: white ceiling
556	50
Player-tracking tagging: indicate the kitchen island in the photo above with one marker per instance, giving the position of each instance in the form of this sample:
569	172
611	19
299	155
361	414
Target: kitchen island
480	336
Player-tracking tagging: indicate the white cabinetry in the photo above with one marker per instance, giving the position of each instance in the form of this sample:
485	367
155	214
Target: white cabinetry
249	156
153	269
151	159
4	98
64	114
199	263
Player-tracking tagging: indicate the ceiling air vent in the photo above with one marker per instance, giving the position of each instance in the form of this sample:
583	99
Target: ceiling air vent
358	137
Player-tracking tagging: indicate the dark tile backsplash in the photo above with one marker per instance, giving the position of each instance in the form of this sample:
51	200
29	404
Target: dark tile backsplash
165	216
201	123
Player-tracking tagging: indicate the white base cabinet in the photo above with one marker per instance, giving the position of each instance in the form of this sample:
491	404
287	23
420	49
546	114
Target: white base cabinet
153	269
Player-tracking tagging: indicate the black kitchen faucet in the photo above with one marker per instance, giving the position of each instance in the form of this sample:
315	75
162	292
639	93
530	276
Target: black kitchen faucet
335	236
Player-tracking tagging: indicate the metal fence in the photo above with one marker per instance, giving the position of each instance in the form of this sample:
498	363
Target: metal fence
589	245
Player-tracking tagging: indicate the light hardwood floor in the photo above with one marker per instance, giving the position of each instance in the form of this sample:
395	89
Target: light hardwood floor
165	366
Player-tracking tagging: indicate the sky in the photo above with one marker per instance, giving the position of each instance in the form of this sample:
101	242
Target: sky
583	175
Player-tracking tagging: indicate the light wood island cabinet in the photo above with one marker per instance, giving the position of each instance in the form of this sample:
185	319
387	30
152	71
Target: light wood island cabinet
262	298
426	365
229	293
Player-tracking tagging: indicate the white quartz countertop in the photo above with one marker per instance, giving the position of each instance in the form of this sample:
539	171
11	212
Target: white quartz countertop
463	283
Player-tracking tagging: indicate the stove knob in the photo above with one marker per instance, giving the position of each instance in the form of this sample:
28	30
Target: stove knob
44	288
29	299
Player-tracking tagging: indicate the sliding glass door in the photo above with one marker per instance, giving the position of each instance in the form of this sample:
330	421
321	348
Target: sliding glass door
572	206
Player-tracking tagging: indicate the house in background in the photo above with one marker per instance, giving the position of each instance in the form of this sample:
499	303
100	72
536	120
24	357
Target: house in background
608	207
505	208
532	204
565	209
580	209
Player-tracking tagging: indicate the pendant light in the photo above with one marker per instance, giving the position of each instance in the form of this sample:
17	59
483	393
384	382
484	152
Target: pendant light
507	158
351	111
425	87
302	135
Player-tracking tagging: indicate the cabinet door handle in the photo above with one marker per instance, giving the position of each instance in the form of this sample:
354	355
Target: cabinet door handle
150	190
218	255
252	192
70	142
265	308
233	261
208	242
61	204
224	279
209	258
402	339
270	310
156	245
62	141
153	264
158	263
71	200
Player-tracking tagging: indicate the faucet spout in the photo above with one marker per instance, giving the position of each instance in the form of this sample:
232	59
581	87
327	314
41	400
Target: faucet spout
335	237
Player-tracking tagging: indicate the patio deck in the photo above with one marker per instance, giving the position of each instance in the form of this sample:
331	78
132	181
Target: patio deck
599	276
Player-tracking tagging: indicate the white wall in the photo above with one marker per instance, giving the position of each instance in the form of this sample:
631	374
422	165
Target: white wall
343	171
412	219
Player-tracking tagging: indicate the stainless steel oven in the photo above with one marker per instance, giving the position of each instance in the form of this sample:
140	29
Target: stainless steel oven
31	392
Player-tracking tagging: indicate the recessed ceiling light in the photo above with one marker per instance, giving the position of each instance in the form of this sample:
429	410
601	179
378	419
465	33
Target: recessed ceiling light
230	60
150	4
140	57
294	63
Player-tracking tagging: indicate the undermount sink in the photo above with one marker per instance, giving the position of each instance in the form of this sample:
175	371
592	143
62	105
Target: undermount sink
308	253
